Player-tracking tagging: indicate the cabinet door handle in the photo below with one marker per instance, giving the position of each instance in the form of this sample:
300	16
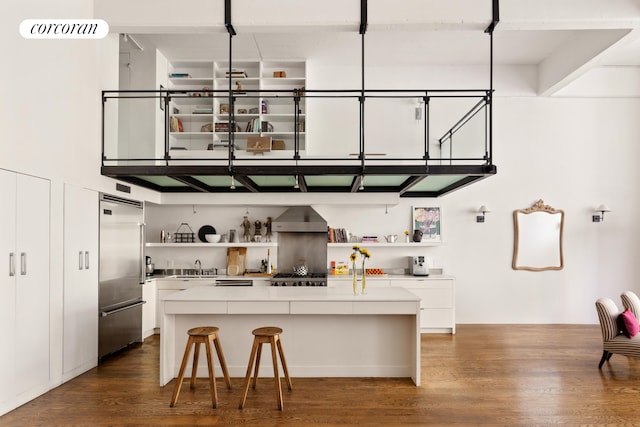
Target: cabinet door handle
86	260
12	264
80	260
23	263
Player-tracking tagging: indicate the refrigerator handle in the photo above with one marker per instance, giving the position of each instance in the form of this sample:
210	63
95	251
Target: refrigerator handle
142	259
80	260
86	260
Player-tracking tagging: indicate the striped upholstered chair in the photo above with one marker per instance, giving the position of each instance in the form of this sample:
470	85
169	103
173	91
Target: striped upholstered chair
613	340
632	302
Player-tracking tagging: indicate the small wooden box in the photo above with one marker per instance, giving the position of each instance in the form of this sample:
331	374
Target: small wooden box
258	144
277	144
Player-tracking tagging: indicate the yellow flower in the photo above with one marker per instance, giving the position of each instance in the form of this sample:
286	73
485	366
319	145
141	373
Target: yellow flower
356	248
406	232
365	253
353	257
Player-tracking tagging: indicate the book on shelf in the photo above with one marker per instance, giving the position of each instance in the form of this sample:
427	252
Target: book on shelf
370	239
338	235
203	110
179	75
265	126
235	73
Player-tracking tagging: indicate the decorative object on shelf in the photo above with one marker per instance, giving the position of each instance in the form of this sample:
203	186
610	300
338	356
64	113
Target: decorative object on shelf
242	111
267	226
257	234
246	225
406	236
233	236
279	74
602	209
224	108
207	128
184	234
483	210
428	221
391	238
175	124
204	230
258	144
263	106
365	254
417	235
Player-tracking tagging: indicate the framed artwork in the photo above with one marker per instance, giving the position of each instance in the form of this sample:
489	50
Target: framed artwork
429	221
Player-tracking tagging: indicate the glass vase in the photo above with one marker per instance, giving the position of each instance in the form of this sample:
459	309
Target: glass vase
364	280
355	282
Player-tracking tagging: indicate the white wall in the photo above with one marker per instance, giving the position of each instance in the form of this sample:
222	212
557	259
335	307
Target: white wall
573	153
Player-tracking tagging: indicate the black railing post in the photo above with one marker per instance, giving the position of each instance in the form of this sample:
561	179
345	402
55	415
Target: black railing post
104	101
167	99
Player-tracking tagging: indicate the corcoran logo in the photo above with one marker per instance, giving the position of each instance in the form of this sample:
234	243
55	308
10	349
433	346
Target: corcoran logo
64	29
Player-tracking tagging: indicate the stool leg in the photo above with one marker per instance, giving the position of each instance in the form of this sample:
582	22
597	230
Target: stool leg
185	358
258	357
194	368
223	364
212	377
284	364
247	377
276	375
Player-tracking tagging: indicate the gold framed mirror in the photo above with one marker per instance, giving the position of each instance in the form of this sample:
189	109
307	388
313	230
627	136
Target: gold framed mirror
537	240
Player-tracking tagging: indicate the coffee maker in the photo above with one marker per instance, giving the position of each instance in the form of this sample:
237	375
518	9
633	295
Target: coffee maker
149	266
419	265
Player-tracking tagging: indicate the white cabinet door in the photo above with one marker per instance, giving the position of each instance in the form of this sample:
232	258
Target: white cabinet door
149	309
7	289
32	287
80	318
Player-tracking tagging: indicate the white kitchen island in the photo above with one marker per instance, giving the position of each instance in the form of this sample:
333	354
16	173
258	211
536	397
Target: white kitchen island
328	332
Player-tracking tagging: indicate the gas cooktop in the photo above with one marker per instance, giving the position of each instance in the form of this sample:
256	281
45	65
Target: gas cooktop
291	279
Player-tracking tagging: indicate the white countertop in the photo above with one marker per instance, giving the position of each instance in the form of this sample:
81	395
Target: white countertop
274	293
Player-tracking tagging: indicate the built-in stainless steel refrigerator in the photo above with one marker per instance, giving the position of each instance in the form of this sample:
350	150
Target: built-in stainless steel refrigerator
122	273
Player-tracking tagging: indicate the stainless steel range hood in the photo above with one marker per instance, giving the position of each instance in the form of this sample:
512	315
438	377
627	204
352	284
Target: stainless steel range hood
300	219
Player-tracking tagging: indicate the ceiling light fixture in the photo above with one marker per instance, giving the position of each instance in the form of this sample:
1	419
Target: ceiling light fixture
361	183
233	183
296	185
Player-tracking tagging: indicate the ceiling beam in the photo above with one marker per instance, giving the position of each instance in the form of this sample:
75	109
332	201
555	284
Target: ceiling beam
192	182
576	57
247	183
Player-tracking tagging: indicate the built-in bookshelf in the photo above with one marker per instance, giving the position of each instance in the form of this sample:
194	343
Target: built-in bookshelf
200	119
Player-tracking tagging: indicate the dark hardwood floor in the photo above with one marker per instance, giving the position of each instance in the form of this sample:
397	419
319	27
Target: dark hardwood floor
501	375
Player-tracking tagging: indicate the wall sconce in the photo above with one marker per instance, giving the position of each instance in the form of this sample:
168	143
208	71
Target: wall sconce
483	210
602	209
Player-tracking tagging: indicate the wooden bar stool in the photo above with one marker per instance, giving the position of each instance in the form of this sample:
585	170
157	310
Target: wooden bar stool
270	335
202	335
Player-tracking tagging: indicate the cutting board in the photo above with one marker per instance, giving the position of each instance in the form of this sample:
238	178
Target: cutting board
236	261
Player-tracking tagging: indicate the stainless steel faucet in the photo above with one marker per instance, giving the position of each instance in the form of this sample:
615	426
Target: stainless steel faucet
198	266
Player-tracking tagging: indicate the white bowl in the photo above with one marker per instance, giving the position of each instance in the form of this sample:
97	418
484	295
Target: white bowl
212	238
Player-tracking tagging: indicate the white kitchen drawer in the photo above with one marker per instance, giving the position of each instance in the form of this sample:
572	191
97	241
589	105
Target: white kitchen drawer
258	307
434	298
386	307
314	307
436	318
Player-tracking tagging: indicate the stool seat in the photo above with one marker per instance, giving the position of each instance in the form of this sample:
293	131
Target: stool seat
266	335
202	335
267	331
